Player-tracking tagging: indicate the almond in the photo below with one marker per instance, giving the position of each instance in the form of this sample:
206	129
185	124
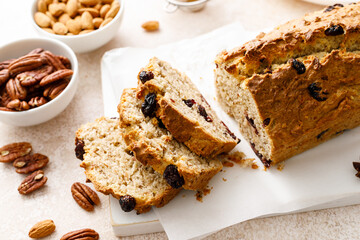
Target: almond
87	21
60	28
71	8
56	9
42	20
105	22
97	22
73	26
90	2
104	9
64	18
42	229
41	6
113	11
94	13
150	25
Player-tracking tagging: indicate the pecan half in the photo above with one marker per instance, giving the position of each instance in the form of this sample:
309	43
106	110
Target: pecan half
84	196
53	60
6	109
82	234
56	76
53	90
15	90
18	105
37	102
12	151
25	63
30	78
64	61
5	64
35	51
4	98
32	182
30	163
4	76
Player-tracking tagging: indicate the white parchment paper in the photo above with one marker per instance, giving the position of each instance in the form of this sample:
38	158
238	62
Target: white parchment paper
320	177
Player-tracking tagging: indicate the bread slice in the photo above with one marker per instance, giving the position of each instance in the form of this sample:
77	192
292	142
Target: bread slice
297	86
113	169
184	111
153	145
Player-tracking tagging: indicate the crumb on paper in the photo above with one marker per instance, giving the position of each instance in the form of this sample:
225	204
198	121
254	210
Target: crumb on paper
201	193
183	196
224	179
240	159
280	166
228	164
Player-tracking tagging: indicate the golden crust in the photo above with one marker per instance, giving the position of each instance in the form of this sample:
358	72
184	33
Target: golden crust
292	39
301	110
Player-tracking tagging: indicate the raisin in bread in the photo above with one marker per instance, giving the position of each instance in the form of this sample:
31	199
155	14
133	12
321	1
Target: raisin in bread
296	86
153	145
183	110
113	169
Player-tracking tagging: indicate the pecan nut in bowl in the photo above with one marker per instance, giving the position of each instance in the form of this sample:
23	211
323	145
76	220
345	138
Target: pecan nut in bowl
26	63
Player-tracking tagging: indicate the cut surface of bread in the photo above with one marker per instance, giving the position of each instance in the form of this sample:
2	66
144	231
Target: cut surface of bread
113	169
184	111
153	145
296	86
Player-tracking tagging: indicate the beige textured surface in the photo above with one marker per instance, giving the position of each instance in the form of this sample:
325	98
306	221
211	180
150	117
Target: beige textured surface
56	137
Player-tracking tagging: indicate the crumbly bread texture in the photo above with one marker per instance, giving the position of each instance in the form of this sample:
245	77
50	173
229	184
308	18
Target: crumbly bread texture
113	169
297	86
184	111
153	145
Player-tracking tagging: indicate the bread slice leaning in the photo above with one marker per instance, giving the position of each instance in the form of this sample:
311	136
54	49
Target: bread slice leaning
184	111
113	169
296	86
153	145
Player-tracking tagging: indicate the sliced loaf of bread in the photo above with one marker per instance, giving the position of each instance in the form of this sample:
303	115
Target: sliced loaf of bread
183	110
153	145
113	169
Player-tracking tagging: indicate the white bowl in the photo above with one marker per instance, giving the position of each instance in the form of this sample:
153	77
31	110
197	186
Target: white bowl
49	110
85	42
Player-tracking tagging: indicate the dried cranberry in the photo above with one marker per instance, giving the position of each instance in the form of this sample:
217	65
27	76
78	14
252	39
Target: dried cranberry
161	124
127	203
315	91
149	105
330	8
298	66
230	132
79	149
203	113
266	122
172	176
357	166
145	76
251	121
266	162
189	102
321	134
334	30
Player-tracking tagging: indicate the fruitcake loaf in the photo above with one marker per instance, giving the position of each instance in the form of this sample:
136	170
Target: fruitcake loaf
113	169
183	110
296	86
153	145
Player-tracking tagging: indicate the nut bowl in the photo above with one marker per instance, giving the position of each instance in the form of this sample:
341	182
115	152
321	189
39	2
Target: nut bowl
52	108
84	42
